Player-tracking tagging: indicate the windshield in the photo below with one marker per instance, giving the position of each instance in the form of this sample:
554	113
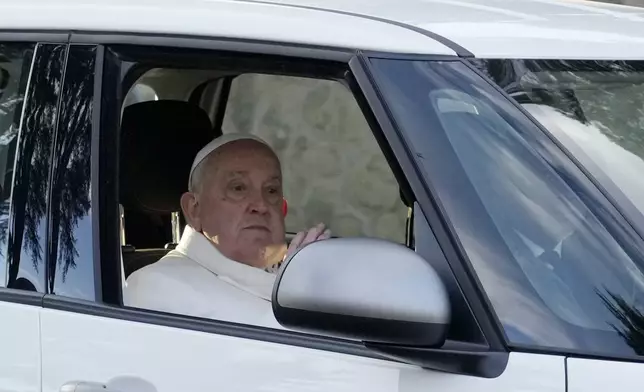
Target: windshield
560	265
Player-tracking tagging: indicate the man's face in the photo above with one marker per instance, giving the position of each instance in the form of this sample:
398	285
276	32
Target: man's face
239	203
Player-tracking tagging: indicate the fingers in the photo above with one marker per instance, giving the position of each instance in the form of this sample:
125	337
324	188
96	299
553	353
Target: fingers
325	235
297	240
295	244
316	233
313	233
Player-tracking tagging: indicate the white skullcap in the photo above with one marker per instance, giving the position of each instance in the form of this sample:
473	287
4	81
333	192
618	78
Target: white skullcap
218	142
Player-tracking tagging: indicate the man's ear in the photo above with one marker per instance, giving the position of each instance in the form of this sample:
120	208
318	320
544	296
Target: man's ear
190	208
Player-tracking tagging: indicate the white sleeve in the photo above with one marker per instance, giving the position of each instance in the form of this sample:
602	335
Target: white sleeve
155	290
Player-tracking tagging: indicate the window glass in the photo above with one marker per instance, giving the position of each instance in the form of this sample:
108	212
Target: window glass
71	257
28	232
15	60
556	274
595	108
334	171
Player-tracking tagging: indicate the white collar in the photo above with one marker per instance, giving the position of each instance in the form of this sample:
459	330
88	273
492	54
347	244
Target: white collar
200	249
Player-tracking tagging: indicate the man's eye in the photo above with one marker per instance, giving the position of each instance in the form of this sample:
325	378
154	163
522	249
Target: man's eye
239	188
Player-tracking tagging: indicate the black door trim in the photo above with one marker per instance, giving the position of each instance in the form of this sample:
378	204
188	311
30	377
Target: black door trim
35	36
213	43
22	297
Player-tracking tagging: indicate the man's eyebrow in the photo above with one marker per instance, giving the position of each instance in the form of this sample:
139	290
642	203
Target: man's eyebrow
237	173
244	173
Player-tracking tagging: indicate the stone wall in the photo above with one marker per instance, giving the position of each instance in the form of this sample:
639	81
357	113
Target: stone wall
334	171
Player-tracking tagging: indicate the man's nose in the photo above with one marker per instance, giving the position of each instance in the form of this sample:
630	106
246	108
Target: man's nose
258	203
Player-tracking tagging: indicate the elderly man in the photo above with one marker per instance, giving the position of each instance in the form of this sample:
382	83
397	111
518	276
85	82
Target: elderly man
235	234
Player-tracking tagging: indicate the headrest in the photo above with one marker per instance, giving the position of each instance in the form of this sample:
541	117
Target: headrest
218	142
159	140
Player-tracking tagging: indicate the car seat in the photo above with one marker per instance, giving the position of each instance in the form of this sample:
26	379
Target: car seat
159	140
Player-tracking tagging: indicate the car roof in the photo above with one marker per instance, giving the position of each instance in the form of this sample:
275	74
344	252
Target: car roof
569	29
562	29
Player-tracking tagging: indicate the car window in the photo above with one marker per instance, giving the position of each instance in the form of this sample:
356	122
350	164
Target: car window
559	270
594	108
70	272
15	60
333	168
335	172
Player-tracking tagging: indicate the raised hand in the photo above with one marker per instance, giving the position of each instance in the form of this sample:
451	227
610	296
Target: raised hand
316	233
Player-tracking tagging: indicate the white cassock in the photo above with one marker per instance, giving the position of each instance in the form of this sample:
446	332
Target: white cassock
195	279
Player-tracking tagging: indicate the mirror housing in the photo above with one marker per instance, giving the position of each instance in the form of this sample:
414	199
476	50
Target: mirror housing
362	289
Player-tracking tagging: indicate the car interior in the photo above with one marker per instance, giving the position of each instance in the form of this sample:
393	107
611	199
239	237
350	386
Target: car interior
153	184
315	127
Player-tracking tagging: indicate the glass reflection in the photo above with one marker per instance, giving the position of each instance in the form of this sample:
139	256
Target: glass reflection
595	108
15	60
71	261
27	231
548	263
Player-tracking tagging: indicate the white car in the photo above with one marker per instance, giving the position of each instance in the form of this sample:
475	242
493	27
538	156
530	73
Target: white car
480	162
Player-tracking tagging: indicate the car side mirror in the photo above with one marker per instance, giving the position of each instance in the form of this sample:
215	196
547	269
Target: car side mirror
365	289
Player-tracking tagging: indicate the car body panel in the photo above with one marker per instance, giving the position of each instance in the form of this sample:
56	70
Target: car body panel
555	29
46	348
602	375
20	345
560	29
218	19
131	356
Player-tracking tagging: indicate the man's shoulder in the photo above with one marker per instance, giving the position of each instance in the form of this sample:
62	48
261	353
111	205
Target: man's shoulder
163	284
178	284
172	260
174	266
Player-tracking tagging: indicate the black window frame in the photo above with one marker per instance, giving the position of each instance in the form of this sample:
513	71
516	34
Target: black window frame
484	359
39	126
52	40
72	195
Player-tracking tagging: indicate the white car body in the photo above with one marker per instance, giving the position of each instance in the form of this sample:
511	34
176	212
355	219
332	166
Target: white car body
49	349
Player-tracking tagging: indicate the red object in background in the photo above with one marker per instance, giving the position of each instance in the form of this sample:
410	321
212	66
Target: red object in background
284	207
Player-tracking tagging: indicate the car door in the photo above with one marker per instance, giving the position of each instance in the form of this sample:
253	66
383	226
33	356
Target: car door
602	375
90	342
30	73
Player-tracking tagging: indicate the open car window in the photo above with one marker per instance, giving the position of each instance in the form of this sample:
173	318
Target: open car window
334	171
